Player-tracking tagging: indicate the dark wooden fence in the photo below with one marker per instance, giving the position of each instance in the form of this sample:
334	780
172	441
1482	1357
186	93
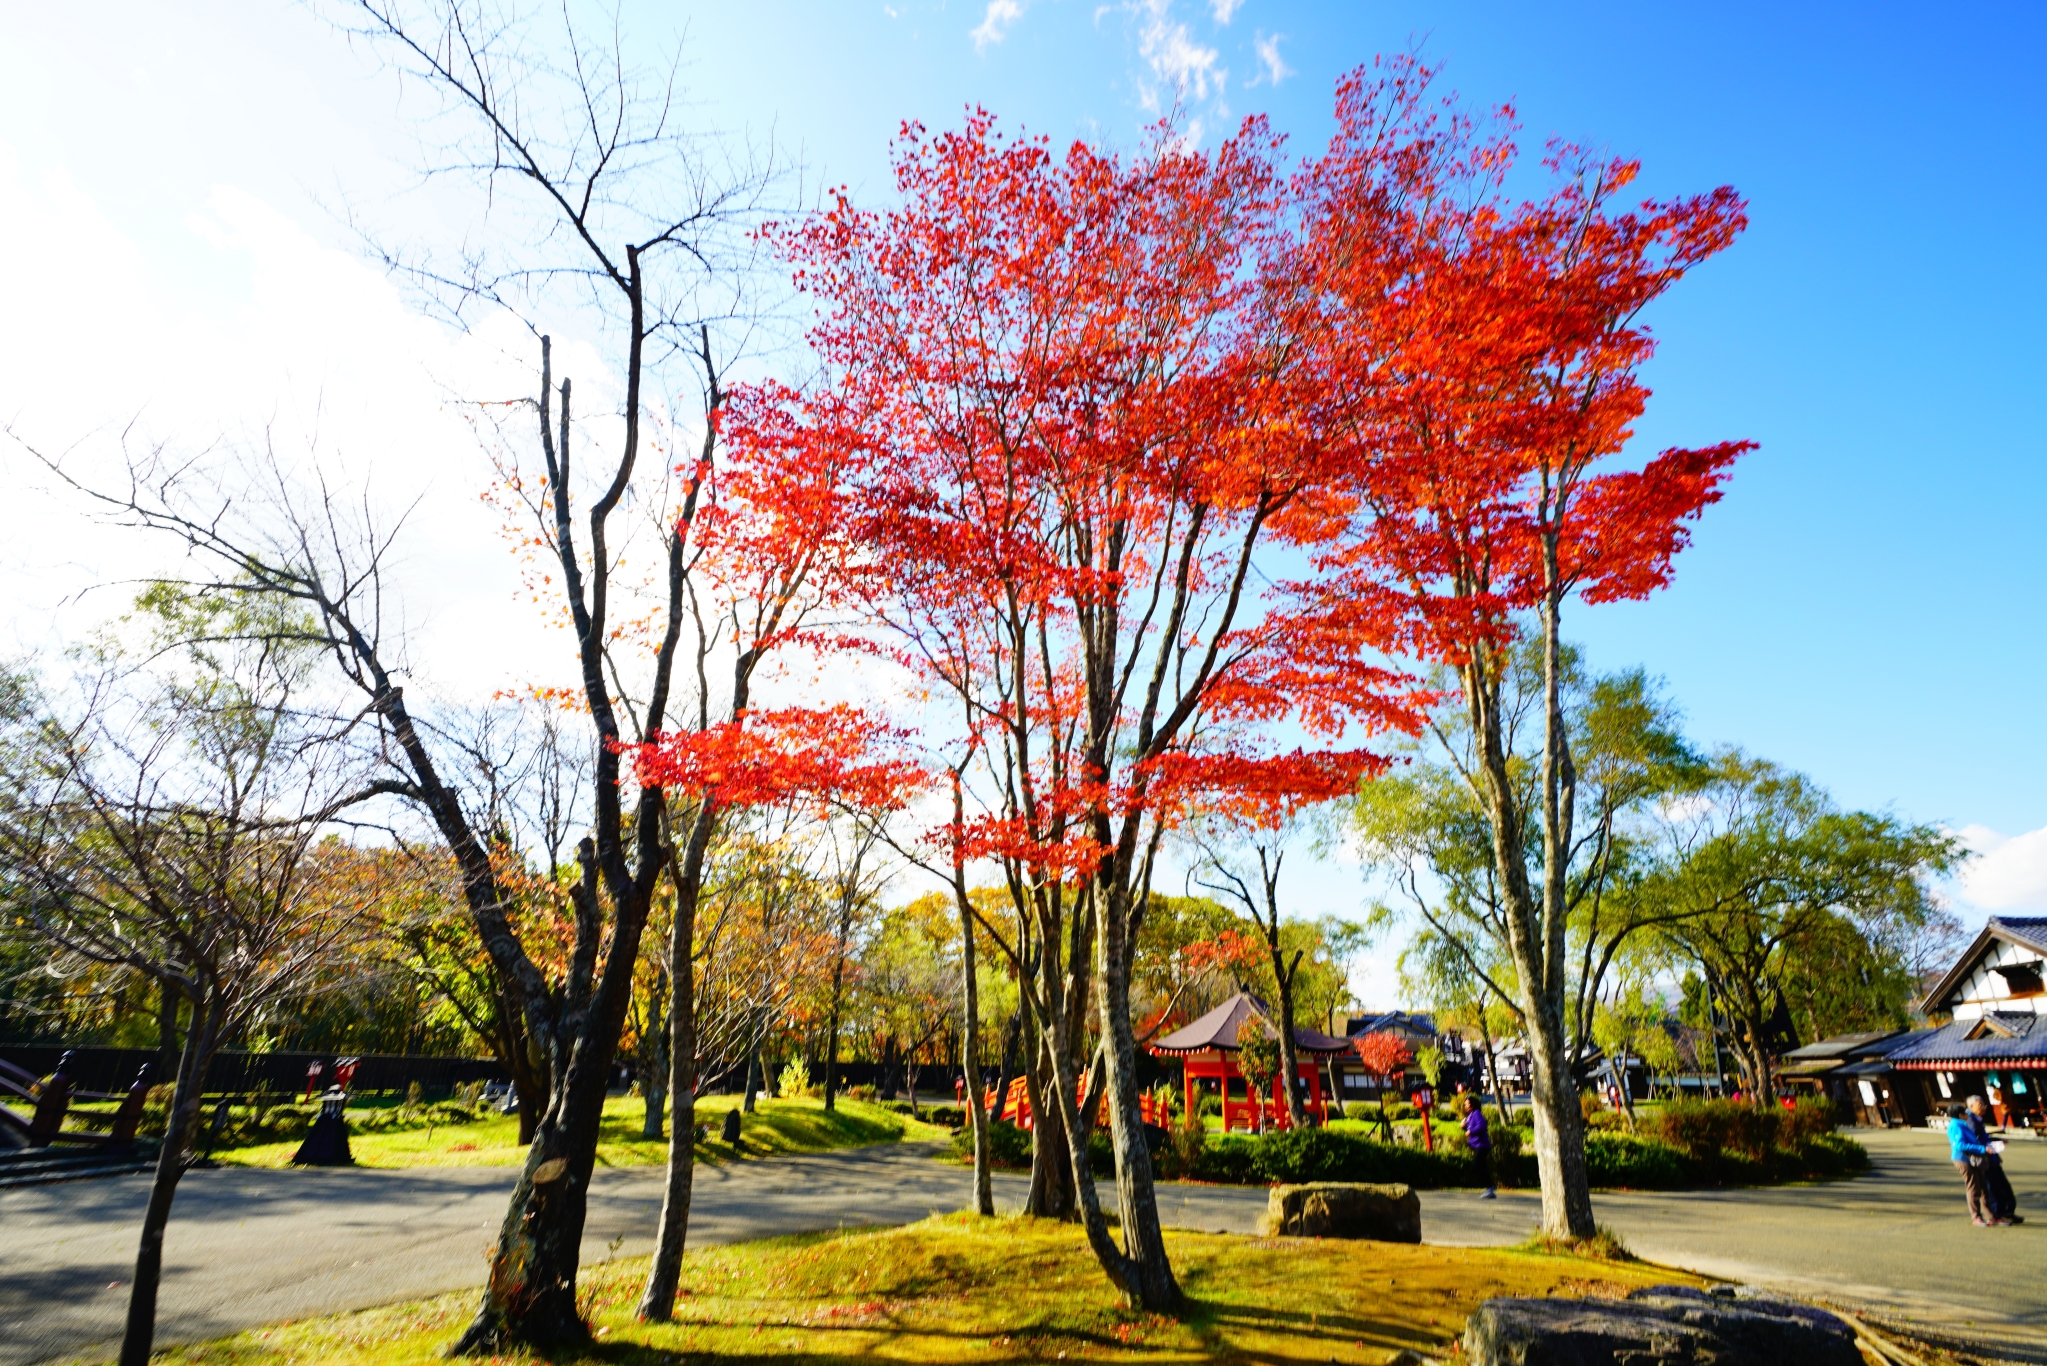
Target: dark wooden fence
112	1069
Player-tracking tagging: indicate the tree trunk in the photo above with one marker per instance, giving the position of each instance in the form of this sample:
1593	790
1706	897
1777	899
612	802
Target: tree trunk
831	1046
167	1049
753	1074
1559	1134
654	1056
200	1042
1005	1070
1289	1065
1147	1276
970	1051
1051	1193
664	1274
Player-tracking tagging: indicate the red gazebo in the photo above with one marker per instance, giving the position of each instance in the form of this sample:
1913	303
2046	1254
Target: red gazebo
1208	1047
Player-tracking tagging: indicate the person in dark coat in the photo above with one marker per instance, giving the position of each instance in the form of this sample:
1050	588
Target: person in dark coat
1479	1139
2004	1202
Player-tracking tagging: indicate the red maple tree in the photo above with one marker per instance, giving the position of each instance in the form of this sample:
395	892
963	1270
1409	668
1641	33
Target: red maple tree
1484	390
1063	410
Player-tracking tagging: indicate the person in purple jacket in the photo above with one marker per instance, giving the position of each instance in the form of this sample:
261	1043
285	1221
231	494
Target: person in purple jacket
1480	1140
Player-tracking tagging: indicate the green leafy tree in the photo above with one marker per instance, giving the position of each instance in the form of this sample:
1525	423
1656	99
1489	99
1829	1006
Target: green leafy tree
1770	889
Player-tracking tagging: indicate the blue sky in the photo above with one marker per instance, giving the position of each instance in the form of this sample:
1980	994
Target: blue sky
1864	604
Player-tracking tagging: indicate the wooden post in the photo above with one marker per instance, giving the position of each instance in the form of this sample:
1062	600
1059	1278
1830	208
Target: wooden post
129	1117
53	1099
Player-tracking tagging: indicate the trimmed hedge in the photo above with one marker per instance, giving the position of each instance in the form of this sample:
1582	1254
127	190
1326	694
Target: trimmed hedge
1612	1160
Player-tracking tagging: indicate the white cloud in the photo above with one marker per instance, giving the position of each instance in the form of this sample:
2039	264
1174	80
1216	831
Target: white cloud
1225	10
996	23
1268	57
1191	70
2009	872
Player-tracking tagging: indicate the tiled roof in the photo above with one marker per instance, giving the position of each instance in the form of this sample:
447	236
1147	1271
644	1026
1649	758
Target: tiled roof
2030	929
1841	1046
1951	1044
1218	1030
1408	1021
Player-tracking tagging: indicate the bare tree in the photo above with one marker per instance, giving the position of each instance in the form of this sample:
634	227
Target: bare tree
172	827
1224	870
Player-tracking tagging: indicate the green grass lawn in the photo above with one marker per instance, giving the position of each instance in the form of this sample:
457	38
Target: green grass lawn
777	1126
960	1289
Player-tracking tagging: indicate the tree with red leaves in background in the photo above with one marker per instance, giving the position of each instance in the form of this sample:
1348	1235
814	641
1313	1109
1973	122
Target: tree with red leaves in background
1483	380
1065	414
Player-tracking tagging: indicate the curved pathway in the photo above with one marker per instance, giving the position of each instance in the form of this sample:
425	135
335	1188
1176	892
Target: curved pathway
248	1247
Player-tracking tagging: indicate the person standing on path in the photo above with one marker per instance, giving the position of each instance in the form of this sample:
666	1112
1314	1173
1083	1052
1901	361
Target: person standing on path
2003	1201
1479	1139
1970	1153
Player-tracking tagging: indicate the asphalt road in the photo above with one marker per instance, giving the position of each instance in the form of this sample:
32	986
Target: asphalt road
252	1247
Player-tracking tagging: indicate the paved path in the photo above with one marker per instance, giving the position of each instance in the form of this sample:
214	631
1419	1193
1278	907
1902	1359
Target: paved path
251	1247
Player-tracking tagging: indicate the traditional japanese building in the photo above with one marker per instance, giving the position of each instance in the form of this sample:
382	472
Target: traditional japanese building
1995	1042
1208	1049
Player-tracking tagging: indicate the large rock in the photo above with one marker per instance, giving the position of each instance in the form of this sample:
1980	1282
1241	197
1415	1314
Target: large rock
1342	1209
1663	1325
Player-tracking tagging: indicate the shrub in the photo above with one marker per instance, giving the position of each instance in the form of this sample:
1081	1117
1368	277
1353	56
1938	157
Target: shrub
1812	1117
1008	1146
951	1116
1322	1155
1356	1109
795	1078
1180	1158
1400	1109
865	1093
1613	1159
285	1121
1700	1128
1210	1104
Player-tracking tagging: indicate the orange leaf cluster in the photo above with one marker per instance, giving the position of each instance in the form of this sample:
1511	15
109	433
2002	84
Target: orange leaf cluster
796	753
1382	1054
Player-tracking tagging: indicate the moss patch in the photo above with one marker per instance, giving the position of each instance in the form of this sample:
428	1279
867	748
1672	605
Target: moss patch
956	1288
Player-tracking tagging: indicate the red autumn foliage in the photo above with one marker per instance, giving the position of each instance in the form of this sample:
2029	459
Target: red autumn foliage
1382	1054
773	756
1482	378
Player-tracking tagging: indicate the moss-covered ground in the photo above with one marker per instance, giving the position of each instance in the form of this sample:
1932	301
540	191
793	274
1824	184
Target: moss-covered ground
959	1289
777	1126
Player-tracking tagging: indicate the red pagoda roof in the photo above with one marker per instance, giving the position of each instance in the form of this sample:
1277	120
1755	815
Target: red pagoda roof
1217	1030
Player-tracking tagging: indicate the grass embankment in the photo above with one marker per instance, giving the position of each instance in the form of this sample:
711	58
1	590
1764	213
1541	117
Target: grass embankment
955	1288
777	1126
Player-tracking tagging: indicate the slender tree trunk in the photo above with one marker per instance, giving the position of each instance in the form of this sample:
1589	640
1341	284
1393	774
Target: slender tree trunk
753	1073
1492	1066
970	1068
1005	1069
664	1274
1051	1194
1535	934
201	1039
1289	1065
831	1047
1148	1277
166	1032
654	1056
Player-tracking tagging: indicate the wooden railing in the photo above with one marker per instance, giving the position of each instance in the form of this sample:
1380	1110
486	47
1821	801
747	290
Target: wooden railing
50	1101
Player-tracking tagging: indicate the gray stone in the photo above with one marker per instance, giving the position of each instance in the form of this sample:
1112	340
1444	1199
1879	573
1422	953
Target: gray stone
1343	1209
1663	1325
731	1131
